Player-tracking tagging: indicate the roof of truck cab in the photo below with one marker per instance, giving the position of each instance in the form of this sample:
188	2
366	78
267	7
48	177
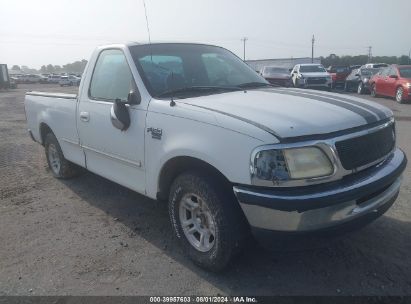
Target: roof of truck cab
134	43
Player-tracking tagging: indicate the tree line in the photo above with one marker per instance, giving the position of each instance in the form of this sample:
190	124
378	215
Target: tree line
76	67
362	59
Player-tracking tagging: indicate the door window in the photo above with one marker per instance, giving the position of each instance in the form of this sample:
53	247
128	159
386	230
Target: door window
392	72
385	72
112	78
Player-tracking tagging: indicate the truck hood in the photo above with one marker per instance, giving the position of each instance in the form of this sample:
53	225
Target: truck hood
288	113
316	74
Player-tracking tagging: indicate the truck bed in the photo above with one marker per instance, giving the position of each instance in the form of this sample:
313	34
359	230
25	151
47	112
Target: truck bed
58	112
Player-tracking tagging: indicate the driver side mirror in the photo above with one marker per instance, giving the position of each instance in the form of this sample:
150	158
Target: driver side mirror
119	115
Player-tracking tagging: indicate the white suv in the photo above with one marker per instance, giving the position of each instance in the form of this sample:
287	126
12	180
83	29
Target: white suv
311	76
69	80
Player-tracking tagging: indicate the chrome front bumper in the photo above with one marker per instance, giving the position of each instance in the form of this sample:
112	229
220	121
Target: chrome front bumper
324	206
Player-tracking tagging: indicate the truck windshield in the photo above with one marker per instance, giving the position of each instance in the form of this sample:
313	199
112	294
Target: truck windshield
274	70
339	69
311	68
192	69
369	72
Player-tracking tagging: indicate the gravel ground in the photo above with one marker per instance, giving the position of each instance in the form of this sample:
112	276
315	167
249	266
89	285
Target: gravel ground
89	236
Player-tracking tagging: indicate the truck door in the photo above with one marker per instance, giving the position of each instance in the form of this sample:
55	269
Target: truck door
112	153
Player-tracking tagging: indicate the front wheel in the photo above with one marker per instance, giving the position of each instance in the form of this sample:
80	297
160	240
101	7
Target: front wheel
207	220
399	95
360	89
295	82
59	166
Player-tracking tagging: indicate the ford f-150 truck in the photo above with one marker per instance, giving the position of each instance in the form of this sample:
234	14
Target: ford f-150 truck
233	155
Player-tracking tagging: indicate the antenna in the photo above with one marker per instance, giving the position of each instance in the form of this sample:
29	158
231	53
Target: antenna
148	31
148	28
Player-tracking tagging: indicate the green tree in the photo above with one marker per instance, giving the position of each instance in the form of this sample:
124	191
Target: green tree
404	60
16	67
50	68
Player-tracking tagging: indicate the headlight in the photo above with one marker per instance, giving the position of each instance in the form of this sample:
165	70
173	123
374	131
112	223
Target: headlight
408	85
295	163
307	163
365	80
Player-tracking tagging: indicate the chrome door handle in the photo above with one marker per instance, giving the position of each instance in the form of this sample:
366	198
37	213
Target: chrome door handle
84	116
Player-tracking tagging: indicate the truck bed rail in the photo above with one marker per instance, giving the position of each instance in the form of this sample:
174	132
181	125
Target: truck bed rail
55	95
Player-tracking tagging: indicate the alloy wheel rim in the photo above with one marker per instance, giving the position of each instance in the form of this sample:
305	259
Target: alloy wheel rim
359	88
197	222
399	95
54	159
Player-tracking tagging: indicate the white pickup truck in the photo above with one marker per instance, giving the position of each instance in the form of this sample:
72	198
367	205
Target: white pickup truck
194	124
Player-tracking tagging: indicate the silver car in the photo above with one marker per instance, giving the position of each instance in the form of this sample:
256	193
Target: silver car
311	76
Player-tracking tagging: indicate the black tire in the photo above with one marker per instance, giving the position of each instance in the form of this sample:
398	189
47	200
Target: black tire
295	83
231	227
66	169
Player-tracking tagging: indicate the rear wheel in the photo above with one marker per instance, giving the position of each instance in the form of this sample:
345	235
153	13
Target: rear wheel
399	95
207	220
59	166
374	91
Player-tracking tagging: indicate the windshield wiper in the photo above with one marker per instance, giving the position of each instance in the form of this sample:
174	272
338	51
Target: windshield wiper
196	89
255	84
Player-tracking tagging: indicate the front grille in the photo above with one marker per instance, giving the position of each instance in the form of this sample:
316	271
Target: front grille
319	80
360	151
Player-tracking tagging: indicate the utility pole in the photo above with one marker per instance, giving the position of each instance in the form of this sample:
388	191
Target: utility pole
244	40
312	49
369	54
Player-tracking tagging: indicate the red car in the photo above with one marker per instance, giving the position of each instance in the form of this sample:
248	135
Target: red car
338	74
393	81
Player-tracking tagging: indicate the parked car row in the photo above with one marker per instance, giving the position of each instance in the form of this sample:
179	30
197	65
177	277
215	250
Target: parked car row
64	79
379	79
69	80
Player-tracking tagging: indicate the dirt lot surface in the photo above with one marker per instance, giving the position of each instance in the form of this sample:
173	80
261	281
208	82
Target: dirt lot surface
89	236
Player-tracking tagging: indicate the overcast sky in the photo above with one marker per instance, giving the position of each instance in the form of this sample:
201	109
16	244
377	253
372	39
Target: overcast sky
37	32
